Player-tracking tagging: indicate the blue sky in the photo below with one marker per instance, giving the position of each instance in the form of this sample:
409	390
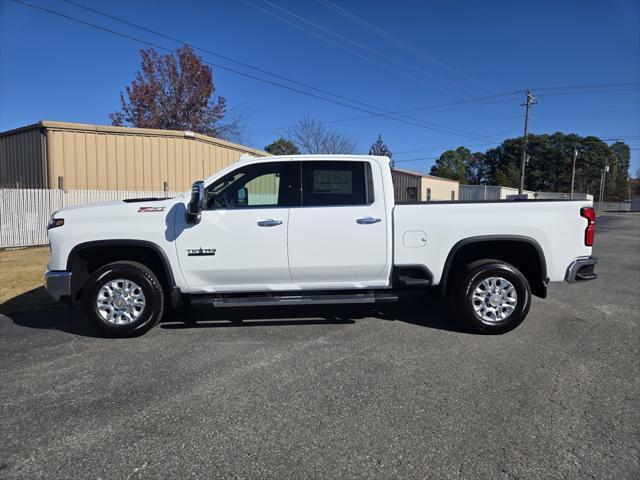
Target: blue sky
408	57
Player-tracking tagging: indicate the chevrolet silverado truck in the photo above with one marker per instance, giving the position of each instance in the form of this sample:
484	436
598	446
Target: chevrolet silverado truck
312	230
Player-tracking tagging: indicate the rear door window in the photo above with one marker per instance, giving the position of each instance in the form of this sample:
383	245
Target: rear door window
330	184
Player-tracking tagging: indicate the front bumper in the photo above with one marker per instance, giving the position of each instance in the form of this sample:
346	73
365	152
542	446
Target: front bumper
58	285
582	270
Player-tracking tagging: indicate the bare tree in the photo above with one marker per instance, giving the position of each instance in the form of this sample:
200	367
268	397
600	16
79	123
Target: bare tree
313	137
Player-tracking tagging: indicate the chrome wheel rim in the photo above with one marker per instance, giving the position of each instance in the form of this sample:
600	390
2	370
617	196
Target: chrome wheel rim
120	301
494	299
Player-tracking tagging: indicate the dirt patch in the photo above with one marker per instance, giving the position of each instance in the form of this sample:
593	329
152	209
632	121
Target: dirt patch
21	271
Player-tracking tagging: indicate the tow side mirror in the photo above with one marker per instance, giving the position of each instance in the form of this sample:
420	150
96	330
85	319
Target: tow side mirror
196	204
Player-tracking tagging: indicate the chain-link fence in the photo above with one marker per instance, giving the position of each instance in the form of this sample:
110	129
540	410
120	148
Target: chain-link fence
612	206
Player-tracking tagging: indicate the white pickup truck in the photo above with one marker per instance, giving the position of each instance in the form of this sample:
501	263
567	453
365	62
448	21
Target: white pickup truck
312	230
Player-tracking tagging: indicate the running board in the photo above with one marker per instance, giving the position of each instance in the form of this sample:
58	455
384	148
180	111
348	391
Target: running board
293	299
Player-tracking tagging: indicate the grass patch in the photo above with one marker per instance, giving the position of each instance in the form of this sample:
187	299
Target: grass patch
21	271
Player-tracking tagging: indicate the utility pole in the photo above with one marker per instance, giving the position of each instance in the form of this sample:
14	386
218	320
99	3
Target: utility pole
603	178
600	192
531	100
573	171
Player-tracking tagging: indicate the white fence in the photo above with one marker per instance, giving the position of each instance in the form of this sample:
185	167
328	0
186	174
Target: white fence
24	214
476	193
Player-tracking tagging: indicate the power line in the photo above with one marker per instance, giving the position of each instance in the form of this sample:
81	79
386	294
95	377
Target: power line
335	44
360	21
482	144
154	32
210	52
444	149
449	106
472	102
382	113
173	39
373	114
587	92
593	85
437	108
350	41
422	159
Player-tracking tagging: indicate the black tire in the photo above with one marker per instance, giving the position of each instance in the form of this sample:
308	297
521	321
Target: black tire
468	281
154	296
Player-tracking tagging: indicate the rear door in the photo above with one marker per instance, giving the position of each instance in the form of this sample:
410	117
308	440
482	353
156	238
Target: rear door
338	234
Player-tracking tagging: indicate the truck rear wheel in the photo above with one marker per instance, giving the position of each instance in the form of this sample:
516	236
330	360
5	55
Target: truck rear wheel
123	299
492	296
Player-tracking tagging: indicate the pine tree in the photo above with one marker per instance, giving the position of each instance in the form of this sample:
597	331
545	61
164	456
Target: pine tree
453	164
380	148
282	146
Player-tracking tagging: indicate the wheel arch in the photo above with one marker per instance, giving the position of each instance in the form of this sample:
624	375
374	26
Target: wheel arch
502	247
82	260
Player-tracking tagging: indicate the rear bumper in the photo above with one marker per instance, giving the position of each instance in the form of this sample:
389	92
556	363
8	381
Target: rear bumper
58	285
581	270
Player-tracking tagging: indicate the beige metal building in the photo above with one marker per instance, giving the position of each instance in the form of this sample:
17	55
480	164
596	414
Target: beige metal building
438	188
417	187
406	185
98	157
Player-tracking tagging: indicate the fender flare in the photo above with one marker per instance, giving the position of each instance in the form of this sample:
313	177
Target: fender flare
166	264
492	238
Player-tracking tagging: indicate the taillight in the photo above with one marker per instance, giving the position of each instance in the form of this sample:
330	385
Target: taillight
590	214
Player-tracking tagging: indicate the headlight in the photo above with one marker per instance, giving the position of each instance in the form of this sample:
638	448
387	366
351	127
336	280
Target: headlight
55	222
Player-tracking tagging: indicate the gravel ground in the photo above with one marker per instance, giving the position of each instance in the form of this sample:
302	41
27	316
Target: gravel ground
403	392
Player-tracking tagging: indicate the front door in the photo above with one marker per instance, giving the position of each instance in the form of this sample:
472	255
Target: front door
240	243
338	236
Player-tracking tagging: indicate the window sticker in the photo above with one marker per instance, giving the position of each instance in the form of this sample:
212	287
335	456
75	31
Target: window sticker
332	181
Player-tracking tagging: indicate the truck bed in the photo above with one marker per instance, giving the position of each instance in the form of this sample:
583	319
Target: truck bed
426	233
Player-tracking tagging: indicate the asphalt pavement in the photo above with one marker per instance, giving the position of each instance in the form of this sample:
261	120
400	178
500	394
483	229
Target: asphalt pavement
402	392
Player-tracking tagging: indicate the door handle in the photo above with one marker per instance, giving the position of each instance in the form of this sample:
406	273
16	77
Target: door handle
269	223
367	220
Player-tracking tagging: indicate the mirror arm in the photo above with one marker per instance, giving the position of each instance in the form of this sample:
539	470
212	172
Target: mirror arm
196	204
193	218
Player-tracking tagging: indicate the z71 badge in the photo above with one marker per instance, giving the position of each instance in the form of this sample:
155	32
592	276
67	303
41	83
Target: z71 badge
200	252
150	209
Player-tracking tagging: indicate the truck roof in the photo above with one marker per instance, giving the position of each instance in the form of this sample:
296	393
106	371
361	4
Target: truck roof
293	158
384	161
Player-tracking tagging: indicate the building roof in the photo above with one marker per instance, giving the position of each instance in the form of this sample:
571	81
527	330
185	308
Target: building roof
424	175
131	131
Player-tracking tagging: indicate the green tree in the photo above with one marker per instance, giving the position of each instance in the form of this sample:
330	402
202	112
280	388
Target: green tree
622	154
634	184
453	164
380	148
508	176
550	164
282	146
476	169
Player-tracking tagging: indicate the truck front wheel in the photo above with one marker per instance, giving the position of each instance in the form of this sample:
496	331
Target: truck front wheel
123	299
492	296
